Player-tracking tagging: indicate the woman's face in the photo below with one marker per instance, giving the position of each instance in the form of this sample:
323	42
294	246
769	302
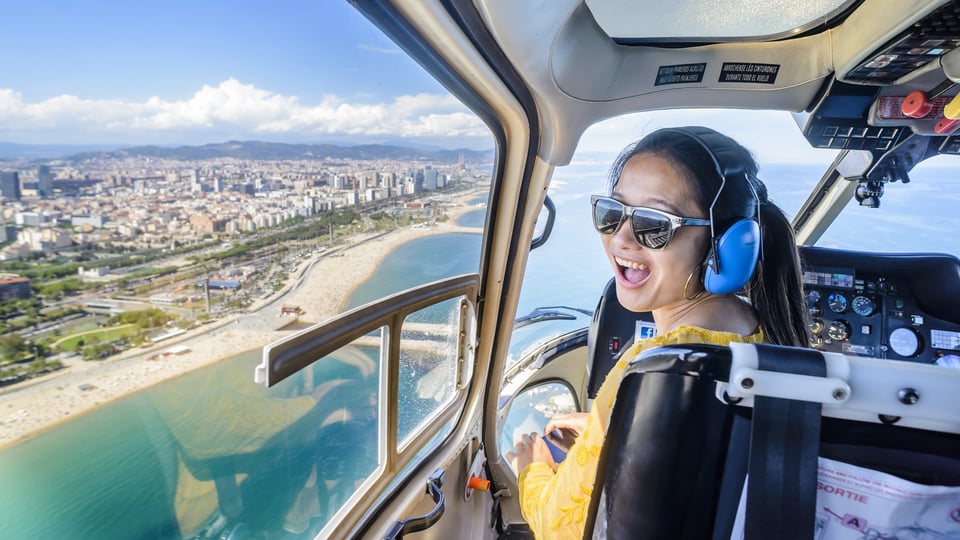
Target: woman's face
651	279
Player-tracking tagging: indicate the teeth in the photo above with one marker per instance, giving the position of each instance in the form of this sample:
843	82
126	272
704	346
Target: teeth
630	264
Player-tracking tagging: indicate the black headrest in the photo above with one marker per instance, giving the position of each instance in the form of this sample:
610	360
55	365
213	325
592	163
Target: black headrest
611	332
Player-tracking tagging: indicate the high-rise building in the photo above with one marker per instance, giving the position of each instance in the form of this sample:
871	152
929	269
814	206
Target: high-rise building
10	185
44	182
7	233
430	178
418	180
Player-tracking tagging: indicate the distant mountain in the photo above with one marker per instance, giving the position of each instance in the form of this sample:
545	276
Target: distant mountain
281	151
410	144
50	151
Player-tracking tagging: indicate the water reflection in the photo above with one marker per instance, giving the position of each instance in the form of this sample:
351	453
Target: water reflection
202	456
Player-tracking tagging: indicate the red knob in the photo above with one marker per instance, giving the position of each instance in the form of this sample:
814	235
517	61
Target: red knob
916	105
946	126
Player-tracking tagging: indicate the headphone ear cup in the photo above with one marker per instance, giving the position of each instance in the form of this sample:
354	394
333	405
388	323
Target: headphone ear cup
737	251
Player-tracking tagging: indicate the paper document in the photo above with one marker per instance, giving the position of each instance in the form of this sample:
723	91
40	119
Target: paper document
854	503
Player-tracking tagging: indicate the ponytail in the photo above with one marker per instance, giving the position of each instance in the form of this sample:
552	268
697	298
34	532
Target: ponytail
776	288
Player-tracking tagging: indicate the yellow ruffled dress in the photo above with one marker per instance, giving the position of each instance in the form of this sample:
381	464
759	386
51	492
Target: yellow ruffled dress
555	504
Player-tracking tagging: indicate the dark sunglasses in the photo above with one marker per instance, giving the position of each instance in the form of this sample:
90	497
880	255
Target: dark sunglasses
651	228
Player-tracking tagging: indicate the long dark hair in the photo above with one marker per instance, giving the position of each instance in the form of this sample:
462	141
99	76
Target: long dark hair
775	289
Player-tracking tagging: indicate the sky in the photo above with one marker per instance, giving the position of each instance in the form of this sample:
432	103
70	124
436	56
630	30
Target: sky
205	71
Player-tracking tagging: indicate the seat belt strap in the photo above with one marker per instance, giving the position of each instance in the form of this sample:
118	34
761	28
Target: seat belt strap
784	446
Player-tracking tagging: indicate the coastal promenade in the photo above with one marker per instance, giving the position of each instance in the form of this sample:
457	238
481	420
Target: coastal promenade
32	406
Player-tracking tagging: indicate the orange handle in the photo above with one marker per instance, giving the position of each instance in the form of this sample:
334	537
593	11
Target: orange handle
916	105
478	484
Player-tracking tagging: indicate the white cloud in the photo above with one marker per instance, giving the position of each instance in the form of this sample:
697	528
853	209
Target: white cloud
773	136
381	50
235	107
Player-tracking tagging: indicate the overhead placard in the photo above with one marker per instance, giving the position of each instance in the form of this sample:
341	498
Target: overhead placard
680	74
737	72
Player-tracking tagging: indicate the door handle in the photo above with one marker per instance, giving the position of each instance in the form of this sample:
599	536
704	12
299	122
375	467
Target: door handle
420	523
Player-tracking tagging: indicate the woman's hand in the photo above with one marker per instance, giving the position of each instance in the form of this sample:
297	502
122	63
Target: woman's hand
574	421
529	448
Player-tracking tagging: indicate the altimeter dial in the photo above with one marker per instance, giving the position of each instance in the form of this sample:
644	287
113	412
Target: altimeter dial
863	306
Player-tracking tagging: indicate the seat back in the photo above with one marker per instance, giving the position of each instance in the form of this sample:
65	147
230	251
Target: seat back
612	330
675	457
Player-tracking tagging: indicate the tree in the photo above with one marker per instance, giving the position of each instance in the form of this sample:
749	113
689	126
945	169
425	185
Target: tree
11	346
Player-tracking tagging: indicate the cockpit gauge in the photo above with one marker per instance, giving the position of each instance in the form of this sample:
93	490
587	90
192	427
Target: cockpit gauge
838	330
837	302
863	306
816	326
905	342
813	297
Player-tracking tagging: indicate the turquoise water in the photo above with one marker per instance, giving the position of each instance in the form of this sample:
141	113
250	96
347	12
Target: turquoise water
421	261
86	479
112	473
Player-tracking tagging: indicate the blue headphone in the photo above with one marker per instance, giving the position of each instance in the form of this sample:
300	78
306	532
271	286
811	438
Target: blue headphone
734	255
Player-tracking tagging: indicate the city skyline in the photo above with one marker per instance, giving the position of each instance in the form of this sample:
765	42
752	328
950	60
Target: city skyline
185	73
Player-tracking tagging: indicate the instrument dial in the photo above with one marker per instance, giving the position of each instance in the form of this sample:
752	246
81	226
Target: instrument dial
863	306
816	326
837	302
905	342
838	330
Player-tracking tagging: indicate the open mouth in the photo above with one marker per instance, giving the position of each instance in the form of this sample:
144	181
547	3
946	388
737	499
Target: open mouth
632	272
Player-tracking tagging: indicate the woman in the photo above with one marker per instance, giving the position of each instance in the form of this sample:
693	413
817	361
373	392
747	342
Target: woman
665	195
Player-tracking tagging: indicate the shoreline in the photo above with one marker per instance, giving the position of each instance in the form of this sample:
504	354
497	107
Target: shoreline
65	394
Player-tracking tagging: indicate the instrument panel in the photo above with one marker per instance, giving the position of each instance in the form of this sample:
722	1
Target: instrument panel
902	307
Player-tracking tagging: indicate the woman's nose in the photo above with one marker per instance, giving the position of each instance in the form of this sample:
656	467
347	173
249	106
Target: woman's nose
624	234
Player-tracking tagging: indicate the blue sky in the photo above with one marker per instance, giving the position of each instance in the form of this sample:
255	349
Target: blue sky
136	50
210	70
193	72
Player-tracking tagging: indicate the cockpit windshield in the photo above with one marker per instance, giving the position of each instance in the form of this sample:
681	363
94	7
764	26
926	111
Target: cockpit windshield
919	216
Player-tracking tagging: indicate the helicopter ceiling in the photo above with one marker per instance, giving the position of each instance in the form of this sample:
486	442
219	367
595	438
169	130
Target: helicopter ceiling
846	68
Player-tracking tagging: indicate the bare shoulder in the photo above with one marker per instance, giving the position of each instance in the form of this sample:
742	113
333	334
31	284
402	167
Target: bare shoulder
729	313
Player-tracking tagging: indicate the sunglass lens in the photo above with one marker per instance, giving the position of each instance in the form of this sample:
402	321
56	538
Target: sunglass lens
607	215
651	229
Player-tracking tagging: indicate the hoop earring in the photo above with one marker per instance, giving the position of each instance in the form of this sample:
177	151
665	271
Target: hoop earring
696	270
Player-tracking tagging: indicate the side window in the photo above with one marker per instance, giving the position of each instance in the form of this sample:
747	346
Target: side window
263	186
388	395
530	410
345	451
276	459
429	345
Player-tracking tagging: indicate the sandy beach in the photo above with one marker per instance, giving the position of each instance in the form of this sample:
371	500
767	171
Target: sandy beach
58	397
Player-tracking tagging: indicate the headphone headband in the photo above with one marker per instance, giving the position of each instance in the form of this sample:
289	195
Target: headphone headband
740	245
718	147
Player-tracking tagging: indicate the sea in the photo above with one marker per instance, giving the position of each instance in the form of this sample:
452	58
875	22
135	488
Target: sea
104	475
